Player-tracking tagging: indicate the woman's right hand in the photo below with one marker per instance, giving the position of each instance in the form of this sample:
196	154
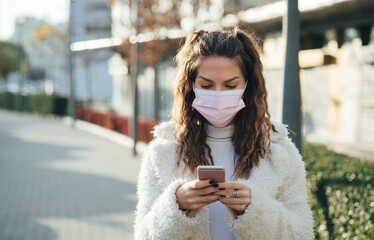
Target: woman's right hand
196	194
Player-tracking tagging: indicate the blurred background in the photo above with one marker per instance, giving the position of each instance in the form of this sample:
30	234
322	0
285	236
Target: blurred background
111	63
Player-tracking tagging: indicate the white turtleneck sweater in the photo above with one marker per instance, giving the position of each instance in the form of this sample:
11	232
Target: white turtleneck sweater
219	141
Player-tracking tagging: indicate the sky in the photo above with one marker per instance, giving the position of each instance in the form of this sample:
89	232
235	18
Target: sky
52	11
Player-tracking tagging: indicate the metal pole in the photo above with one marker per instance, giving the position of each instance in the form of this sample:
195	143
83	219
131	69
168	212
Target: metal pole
291	93
133	69
20	23
156	95
87	65
19	97
71	65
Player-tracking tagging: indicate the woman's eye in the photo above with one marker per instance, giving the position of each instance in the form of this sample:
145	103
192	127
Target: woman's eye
206	86
228	86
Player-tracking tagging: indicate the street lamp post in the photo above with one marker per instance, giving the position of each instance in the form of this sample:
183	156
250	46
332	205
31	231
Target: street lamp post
20	23
71	65
291	94
134	69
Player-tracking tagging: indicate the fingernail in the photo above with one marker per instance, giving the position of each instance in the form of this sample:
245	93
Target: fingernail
221	188
223	195
211	181
215	185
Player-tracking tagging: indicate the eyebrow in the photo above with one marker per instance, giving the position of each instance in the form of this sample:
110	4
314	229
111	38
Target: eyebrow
231	79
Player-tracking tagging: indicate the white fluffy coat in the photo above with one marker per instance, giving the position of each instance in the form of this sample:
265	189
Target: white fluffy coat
279	206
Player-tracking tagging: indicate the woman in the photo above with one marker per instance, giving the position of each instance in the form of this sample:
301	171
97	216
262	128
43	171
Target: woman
220	117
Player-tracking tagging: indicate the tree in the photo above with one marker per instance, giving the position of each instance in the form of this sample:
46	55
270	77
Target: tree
11	57
150	24
155	16
45	32
51	44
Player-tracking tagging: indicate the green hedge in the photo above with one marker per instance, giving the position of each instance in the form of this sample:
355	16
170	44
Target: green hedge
42	104
341	192
8	101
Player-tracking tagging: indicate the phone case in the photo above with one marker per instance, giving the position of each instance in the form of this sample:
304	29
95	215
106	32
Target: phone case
216	173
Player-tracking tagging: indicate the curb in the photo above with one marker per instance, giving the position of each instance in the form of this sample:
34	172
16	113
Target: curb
113	136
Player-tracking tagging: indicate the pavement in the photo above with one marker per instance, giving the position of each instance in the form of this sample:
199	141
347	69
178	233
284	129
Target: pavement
59	182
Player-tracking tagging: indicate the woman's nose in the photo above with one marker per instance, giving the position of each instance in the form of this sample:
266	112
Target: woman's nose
219	88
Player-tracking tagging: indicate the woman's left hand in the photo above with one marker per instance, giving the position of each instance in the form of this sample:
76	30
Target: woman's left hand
238	196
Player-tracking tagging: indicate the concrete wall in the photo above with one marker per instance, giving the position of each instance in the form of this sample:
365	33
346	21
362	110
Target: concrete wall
338	96
366	118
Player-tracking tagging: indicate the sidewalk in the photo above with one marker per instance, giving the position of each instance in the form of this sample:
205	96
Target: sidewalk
57	182
106	133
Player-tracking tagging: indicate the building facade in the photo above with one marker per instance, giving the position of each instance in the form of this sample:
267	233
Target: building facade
46	48
91	19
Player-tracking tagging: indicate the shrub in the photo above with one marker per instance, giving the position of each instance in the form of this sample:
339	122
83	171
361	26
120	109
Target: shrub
117	123
42	104
341	192
8	100
145	128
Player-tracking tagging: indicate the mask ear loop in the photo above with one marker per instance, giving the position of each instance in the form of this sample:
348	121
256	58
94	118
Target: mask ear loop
245	86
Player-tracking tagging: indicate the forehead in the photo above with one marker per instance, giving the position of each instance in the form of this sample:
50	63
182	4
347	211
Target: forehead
216	68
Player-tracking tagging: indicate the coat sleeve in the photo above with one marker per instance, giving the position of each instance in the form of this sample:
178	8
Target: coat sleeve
157	213
286	216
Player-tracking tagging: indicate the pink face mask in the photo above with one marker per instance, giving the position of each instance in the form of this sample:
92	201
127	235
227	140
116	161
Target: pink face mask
218	107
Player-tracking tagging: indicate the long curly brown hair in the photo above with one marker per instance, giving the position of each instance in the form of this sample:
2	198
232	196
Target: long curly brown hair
252	124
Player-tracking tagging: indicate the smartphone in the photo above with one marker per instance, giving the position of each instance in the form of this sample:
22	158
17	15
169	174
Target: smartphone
217	173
